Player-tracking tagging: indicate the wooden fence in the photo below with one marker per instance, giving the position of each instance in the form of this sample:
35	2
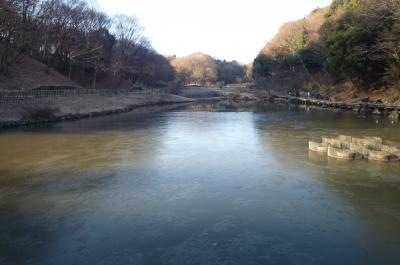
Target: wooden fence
52	92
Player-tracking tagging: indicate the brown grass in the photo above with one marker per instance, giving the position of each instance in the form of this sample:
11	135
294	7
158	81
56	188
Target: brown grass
29	73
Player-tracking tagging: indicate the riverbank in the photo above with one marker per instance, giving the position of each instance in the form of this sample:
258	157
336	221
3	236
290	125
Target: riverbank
33	111
377	108
201	92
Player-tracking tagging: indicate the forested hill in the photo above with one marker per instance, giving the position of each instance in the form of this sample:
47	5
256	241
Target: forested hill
80	42
202	69
91	49
351	47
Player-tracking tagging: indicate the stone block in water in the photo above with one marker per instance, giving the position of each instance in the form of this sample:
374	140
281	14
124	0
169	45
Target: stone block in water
343	154
361	149
373	139
332	142
318	147
382	156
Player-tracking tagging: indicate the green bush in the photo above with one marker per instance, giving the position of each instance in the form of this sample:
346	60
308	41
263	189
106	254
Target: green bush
358	41
355	41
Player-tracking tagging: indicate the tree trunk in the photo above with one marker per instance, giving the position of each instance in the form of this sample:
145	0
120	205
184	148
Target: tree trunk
4	61
70	70
95	75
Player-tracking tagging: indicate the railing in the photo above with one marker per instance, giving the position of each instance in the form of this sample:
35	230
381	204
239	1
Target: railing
52	92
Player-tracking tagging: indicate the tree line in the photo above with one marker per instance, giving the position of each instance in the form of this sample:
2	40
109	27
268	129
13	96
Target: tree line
202	69
79	41
353	41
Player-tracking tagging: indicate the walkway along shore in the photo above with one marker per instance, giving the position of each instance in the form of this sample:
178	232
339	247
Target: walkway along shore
59	106
376	108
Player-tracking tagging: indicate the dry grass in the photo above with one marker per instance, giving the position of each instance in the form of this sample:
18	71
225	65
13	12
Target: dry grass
29	73
348	92
61	106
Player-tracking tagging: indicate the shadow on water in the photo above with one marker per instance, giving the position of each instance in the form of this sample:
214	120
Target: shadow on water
139	118
54	176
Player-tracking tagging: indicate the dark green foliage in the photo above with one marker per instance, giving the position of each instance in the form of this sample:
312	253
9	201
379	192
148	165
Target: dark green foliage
391	44
310	59
348	58
353	43
313	57
262	66
301	42
230	72
349	5
359	41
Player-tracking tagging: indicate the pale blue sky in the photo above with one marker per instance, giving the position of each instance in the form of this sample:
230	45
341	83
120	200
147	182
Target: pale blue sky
226	29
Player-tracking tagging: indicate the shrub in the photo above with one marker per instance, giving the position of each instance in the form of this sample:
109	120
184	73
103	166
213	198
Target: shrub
39	113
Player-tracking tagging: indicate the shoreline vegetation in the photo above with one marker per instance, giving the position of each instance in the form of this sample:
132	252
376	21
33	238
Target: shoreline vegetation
65	103
61	104
376	108
329	60
16	113
51	50
346	51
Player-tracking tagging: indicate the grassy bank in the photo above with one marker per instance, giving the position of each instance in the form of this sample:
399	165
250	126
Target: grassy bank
26	112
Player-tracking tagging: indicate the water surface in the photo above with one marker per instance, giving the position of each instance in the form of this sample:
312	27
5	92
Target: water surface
201	184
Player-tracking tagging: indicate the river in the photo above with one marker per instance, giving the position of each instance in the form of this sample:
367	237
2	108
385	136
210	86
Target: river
198	184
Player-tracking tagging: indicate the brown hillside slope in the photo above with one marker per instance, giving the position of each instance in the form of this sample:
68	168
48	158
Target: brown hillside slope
29	73
196	68
286	39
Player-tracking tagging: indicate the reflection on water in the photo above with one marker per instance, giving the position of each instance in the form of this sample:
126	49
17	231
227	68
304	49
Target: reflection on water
196	185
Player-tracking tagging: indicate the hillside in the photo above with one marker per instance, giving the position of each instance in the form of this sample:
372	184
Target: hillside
348	50
78	41
202	69
196	68
29	73
292	35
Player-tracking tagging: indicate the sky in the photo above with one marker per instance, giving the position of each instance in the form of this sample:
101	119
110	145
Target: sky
224	29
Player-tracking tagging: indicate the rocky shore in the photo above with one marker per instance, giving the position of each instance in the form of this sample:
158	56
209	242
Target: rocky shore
375	108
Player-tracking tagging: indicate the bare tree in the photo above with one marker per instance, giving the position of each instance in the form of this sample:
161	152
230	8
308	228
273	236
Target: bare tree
77	40
17	30
130	48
